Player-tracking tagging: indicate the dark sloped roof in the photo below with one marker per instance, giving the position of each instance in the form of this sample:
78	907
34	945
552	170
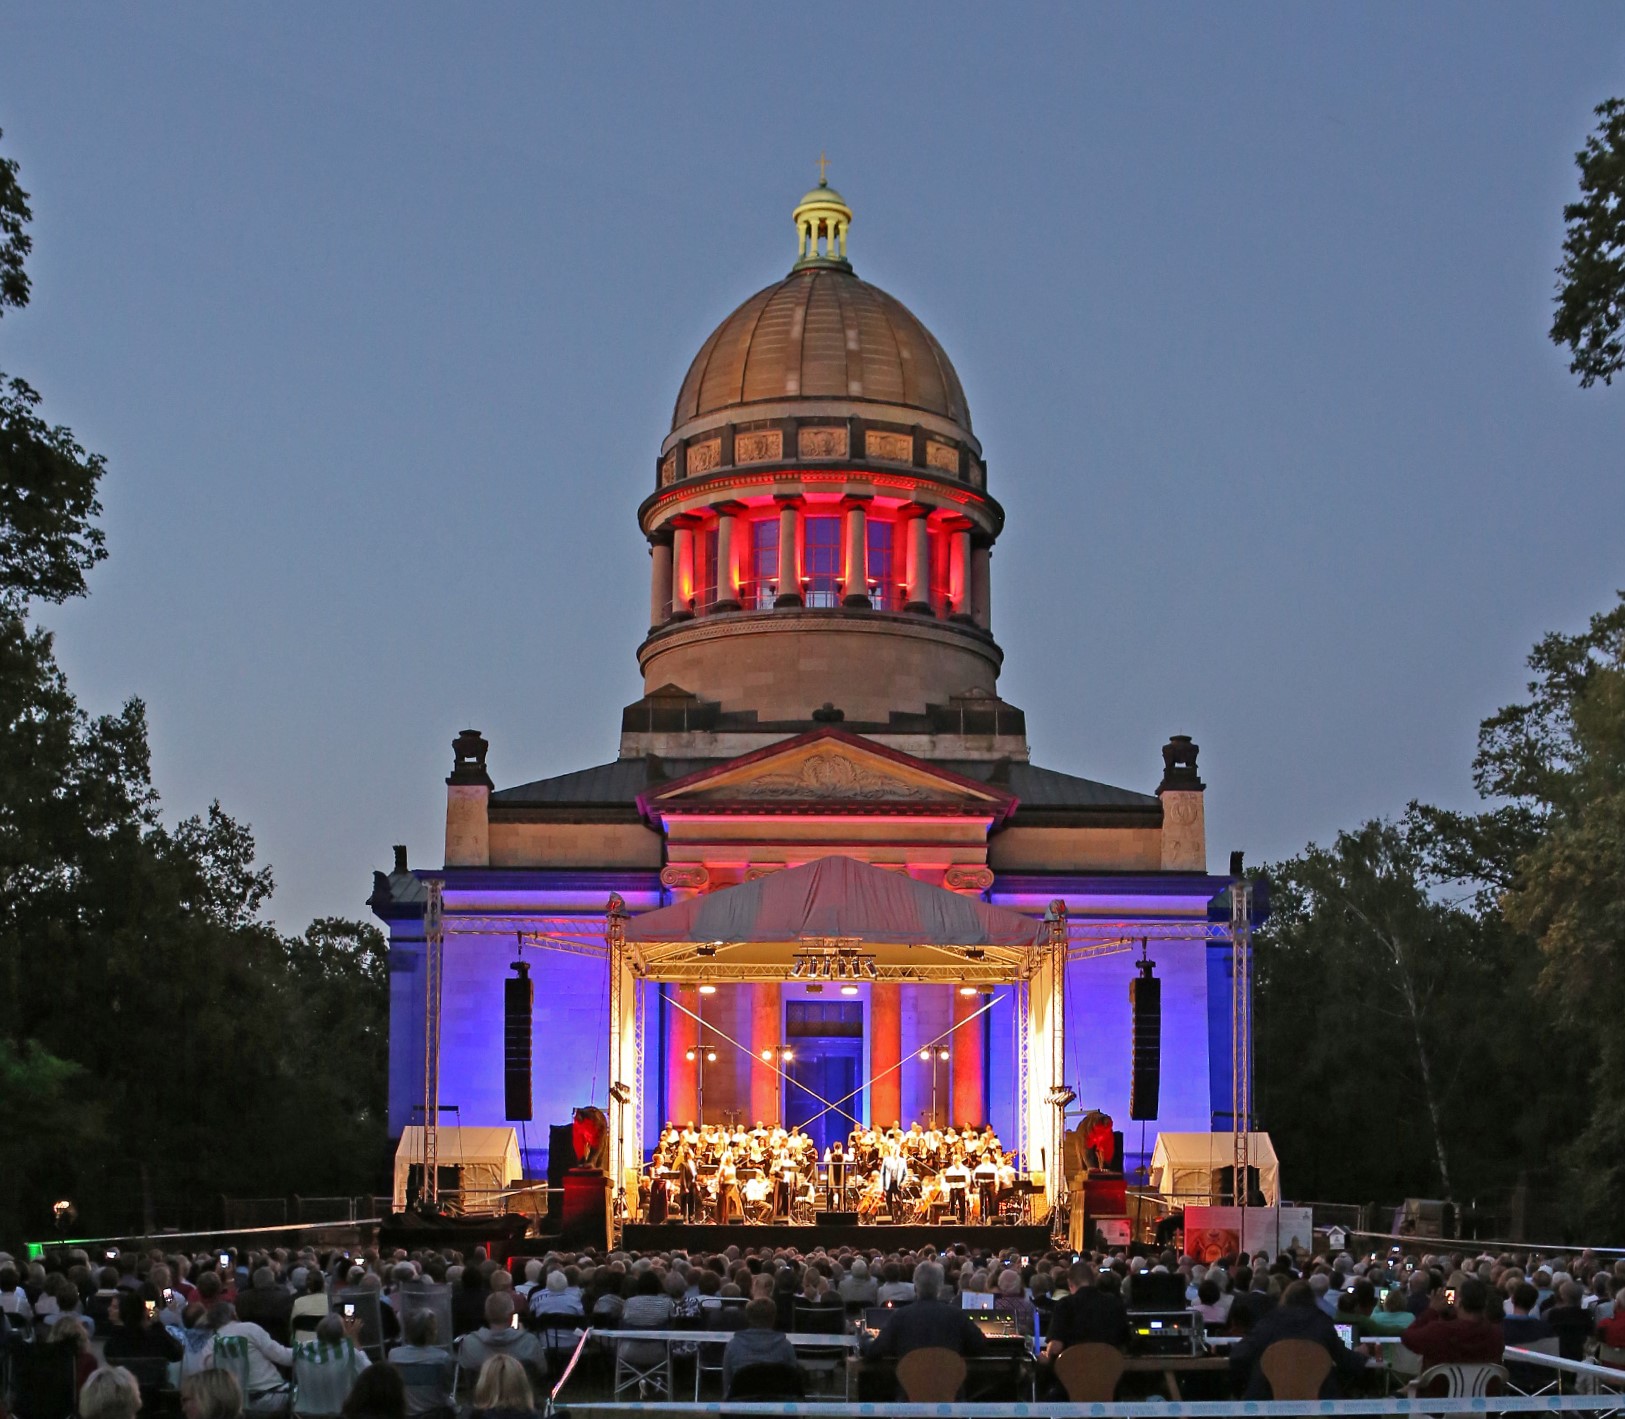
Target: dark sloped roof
619	783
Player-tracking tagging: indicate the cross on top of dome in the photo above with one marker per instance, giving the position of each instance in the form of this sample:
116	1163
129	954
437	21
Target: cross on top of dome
822	218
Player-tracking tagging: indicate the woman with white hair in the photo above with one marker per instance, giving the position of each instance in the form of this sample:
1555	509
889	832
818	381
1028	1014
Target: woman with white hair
110	1393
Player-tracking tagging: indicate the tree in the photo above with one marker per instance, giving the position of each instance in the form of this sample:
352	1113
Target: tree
1591	294
15	242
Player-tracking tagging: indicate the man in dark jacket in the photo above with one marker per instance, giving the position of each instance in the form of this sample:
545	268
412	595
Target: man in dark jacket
267	1305
1459	1334
1087	1313
1298	1317
928	1321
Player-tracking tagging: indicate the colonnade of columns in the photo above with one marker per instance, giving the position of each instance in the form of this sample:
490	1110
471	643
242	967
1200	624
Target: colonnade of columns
674	569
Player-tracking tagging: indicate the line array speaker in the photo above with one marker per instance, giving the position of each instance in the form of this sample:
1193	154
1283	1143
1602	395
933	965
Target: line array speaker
1145	1078
518	995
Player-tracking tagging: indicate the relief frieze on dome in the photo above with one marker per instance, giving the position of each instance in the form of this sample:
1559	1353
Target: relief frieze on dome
943	456
821	443
703	457
828	775
894	448
668	469
759	446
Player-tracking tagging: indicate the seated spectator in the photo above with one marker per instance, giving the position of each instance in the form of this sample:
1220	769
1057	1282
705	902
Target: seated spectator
502	1391
1389	1316
422	1347
1088	1313
1009	1300
557	1297
311	1302
13	1301
929	1321
1572	1323
647	1308
378	1394
1456	1335
500	1335
1298	1317
211	1394
135	1334
1210	1303
267	1387
893	1289
110	1393
533	1276
468	1301
70	1330
857	1287
266	1304
758	1342
1521	1327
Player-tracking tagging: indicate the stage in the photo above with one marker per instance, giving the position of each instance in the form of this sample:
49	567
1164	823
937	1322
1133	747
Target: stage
882	1237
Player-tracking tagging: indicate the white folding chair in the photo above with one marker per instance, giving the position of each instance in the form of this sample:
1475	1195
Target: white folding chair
649	1370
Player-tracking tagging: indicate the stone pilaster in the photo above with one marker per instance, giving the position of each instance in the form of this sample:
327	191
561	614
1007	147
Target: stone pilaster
468	801
789	550
857	551
1184	817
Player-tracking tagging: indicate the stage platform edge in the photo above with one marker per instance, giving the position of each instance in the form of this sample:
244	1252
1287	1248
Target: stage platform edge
884	1237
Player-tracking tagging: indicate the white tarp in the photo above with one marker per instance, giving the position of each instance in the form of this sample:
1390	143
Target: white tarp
1185	1166
489	1158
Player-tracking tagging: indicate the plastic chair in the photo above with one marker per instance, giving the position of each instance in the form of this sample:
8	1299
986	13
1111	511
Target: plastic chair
1461	1381
322	1376
767	1382
158	1395
1295	1369
932	1375
820	1320
435	1297
363	1303
1526	1377
1089	1372
428	1385
708	1361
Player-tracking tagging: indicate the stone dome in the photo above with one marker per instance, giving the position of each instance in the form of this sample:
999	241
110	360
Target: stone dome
821	333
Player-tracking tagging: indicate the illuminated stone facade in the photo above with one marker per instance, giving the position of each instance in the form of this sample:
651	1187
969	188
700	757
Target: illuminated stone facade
820	677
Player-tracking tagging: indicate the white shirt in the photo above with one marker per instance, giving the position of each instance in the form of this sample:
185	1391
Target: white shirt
264	1355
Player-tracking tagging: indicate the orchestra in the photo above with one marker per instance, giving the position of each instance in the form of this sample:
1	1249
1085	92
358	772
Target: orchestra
723	1172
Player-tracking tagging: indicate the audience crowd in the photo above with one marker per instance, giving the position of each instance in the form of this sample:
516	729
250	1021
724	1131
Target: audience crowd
350	1319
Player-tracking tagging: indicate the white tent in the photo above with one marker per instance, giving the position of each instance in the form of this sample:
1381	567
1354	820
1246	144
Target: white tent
489	1158
1185	1166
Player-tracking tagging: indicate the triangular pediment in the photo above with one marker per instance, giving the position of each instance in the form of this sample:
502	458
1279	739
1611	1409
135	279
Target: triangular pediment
829	769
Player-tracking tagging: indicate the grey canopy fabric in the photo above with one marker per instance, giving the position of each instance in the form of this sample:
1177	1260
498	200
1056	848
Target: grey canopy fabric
836	897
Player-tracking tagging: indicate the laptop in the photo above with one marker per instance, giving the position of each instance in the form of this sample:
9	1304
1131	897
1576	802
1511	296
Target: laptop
976	1301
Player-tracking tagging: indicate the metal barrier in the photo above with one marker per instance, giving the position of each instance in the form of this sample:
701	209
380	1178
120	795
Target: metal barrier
1147	1409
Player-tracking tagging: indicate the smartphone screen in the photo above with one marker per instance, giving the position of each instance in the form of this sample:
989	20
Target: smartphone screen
152	1308
168	1295
349	1310
225	1258
513	1322
1450	1295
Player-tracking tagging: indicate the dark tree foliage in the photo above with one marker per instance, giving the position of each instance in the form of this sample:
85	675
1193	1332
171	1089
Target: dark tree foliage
160	1043
1591	291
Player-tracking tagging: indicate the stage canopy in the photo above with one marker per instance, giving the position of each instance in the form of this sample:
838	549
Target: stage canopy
488	1158
1185	1167
835	919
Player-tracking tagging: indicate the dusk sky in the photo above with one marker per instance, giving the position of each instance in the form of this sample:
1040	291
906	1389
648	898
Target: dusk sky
378	314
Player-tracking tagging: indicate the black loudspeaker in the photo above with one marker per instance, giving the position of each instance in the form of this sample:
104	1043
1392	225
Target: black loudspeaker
1145	1080
517	998
836	1219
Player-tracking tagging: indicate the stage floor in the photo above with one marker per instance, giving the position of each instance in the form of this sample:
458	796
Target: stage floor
711	1237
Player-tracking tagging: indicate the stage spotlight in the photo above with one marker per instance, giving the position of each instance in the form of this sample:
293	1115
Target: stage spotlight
925	1054
942	1053
967	990
690	1056
708	990
620	1093
788	1054
849	990
1060	1096
767	1054
815	989
706	951
710	1056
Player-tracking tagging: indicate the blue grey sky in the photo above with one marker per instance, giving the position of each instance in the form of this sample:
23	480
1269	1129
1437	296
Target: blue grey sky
379	313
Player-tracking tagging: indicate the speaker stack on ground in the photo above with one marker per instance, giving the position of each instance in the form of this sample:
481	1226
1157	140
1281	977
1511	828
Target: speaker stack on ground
518	996
1145	1078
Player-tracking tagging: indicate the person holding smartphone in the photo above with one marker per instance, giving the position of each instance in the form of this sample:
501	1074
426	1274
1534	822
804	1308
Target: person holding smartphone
1456	1331
136	1333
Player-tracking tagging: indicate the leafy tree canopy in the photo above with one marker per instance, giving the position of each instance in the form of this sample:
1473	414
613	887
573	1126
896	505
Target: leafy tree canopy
1591	291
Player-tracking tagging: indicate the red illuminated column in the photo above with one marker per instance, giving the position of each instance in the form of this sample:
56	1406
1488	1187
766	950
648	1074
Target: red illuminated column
969	1098
857	551
682	1073
659	579
918	565
727	556
959	568
885	1053
789	558
682	566
981	585
765	1029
